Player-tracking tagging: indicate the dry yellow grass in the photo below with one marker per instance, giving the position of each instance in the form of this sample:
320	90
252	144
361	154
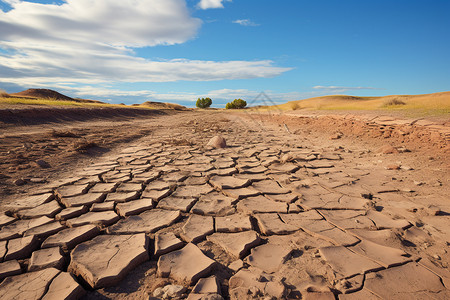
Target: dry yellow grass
51	102
160	105
437	103
11	100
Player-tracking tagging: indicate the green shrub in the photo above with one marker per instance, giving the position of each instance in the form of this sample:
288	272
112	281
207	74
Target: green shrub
203	102
393	102
236	104
295	106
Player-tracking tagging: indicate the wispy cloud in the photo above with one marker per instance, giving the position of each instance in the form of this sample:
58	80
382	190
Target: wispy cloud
92	41
207	4
245	22
340	89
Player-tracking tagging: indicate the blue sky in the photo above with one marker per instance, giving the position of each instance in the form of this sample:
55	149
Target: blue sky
132	51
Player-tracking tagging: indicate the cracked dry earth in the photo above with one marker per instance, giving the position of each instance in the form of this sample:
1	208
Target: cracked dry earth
272	216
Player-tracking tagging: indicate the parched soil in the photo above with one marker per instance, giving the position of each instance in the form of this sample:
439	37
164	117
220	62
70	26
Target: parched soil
337	206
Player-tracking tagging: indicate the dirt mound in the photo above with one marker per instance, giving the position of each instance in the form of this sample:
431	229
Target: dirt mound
43	94
48	115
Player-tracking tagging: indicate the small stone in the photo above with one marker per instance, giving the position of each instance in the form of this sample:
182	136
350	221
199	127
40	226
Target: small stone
19	182
336	136
433	210
158	292
388	149
393	167
157	282
253	283
217	142
43	164
173	291
37	180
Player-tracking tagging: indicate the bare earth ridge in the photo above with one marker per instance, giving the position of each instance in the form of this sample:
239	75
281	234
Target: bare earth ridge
294	207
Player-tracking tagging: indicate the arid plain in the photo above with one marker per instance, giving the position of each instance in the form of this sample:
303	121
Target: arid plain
308	200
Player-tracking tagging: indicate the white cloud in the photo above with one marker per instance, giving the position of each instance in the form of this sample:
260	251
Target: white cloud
10	2
118	23
340	89
92	41
245	22
207	4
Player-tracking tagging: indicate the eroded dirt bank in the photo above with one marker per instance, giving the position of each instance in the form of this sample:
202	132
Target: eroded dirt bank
292	208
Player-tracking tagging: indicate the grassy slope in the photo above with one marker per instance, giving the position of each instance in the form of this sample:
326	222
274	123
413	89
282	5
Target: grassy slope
11	100
437	103
53	102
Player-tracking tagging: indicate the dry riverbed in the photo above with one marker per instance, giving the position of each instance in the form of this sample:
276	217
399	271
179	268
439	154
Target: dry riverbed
296	206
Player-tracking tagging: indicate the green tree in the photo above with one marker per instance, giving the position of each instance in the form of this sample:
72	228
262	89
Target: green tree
236	104
203	102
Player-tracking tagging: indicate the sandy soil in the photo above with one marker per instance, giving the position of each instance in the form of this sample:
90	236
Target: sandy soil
402	165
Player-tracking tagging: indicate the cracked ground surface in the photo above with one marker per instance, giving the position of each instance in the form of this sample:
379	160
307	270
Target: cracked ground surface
283	212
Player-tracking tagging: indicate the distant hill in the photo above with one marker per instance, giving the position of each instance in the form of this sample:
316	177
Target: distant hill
49	94
161	105
437	101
